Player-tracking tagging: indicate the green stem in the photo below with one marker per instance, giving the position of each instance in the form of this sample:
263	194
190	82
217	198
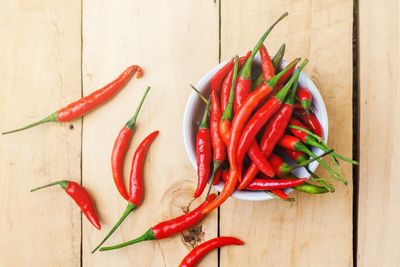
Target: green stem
290	99
227	114
216	165
296	127
127	211
321	181
131	123
199	94
305	163
203	123
311	189
274	80
62	183
148	235
51	118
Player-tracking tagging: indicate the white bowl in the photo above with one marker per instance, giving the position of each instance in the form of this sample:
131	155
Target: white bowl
195	108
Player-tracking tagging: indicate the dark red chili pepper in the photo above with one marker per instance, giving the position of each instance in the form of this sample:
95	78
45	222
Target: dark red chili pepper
219	77
311	121
203	153
199	252
262	116
238	124
169	228
258	159
293	143
268	69
218	176
225	175
276	62
227	84
268	184
305	98
86	104
120	148
81	197
243	85
135	183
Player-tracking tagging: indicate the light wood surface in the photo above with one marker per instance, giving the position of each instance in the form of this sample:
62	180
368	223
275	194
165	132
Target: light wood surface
379	212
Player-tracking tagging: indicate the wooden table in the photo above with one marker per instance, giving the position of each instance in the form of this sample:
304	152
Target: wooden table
53	52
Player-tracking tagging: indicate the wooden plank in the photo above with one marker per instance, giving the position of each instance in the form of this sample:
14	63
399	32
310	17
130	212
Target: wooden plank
379	203
175	44
316	230
40	72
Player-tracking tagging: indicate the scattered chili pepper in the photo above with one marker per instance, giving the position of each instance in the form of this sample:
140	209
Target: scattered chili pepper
311	121
227	84
169	228
86	104
276	62
238	122
268	69
218	78
81	197
199	252
305	98
135	183
243	85
268	184
203	153
262	116
120	148
279	194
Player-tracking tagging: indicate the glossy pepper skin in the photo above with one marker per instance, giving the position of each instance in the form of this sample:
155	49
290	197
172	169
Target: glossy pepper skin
261	117
268	184
199	252
238	124
267	67
170	227
305	98
219	77
120	148
86	104
260	161
203	153
310	120
243	85
81	197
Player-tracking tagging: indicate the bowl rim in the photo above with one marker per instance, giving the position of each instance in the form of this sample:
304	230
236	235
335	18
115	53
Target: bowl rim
322	116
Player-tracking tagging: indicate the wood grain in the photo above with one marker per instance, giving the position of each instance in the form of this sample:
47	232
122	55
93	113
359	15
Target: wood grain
175	46
40	72
316	230
379	201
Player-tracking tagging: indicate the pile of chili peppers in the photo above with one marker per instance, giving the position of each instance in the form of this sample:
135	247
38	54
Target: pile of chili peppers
248	129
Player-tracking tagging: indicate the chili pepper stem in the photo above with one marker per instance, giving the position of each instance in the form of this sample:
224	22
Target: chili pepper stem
199	94
131	123
305	163
148	235
127	211
322	182
51	118
62	183
216	165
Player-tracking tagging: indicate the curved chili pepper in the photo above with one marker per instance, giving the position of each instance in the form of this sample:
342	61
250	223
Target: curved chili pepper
81	197
268	69
262	116
199	252
120	148
238	122
135	183
243	86
227	84
218	78
86	104
280	194
274	130
276	62
258	159
293	143
203	153
311	121
305	98
268	184
169	228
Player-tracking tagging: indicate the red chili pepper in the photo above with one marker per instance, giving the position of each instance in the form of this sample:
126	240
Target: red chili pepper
258	159
298	156
120	148
135	183
225	175
81	198
268	184
268	69
218	176
199	252
305	98
280	194
227	84
203	153
293	143
218	78
169	228
86	104
243	86
262	116
238	122
311	121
